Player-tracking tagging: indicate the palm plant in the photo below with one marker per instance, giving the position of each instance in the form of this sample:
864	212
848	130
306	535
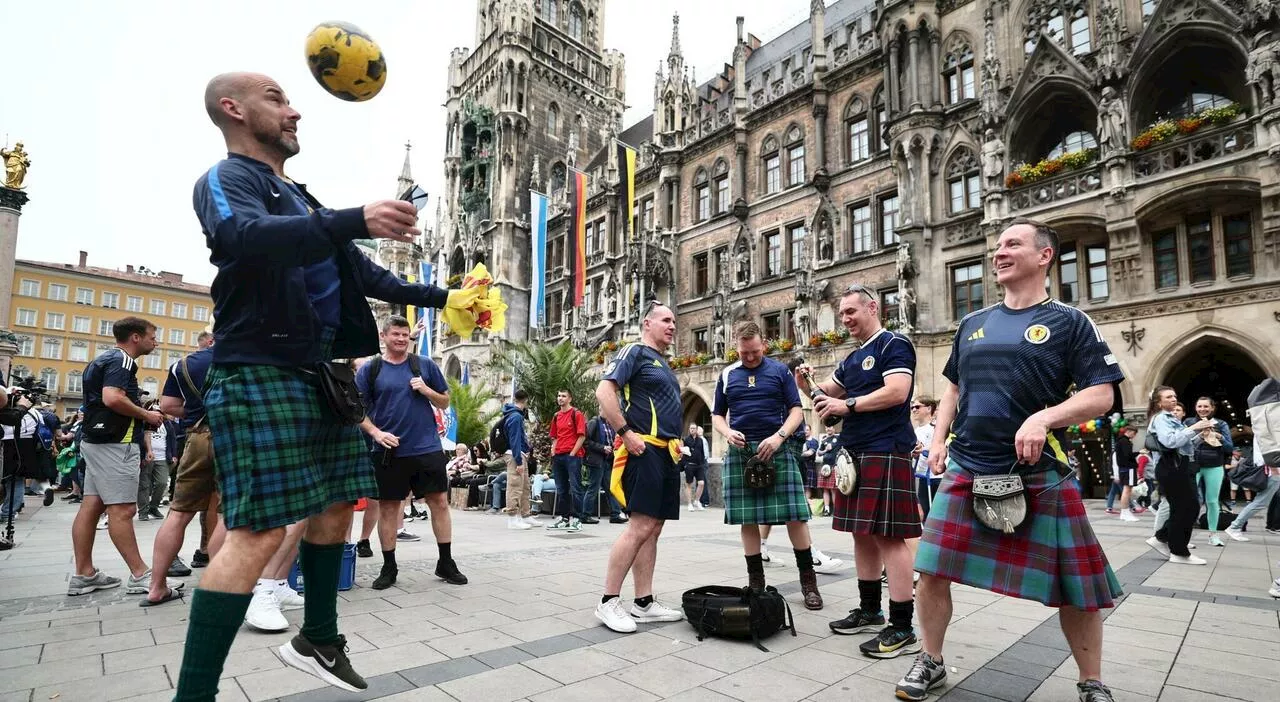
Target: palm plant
543	369
468	402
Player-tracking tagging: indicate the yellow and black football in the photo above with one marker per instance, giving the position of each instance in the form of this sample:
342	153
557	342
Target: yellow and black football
345	61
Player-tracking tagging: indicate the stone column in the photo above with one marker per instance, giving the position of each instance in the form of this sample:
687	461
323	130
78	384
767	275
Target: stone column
935	70
892	98
913	65
11	202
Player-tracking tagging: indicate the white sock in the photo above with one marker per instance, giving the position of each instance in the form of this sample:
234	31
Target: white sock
266	584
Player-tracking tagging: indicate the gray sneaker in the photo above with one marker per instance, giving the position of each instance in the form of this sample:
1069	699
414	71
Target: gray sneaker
924	675
1094	691
83	585
141	585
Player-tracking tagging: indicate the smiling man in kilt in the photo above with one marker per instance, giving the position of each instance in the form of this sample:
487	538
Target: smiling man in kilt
763	408
871	392
1006	403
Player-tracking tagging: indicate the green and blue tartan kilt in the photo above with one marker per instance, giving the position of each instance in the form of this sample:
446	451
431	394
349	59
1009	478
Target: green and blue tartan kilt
1053	557
785	502
279	452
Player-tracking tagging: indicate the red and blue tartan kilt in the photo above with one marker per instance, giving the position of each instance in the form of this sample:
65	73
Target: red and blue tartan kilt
1053	557
826	482
884	501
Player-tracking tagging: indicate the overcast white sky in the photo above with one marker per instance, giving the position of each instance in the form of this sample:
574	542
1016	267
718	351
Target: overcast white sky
106	97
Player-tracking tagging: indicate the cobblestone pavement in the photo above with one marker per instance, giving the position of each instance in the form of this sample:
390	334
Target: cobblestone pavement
524	628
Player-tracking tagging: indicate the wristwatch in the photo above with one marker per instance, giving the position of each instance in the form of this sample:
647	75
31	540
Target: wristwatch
620	431
852	404
782	433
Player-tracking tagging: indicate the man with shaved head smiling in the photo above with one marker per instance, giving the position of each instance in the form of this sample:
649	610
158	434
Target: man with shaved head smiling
289	296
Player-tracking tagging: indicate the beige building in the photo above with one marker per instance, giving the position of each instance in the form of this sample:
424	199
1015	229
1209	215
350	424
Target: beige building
889	144
63	313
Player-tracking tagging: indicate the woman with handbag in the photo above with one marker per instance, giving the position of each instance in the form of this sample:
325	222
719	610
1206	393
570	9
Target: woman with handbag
1172	445
1212	453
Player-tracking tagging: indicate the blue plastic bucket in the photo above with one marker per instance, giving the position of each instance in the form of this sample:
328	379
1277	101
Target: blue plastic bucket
346	576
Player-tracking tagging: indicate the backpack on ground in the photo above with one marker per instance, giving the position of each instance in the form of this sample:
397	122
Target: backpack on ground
737	612
1264	414
1249	475
498	443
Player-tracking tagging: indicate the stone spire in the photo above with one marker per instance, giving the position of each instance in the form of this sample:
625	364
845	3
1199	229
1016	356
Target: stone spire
405	181
675	58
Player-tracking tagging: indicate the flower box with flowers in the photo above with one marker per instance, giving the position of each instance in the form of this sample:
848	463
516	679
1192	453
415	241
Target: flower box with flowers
1026	173
1166	129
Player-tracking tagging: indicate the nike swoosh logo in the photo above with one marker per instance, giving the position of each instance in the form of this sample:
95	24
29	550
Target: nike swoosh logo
275	194
327	662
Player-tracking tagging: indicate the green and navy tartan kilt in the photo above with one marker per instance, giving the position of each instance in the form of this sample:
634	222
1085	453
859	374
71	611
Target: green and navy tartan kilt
1052	558
279	452
785	502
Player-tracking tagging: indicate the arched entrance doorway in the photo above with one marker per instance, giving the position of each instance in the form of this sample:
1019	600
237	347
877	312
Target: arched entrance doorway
1219	370
697	412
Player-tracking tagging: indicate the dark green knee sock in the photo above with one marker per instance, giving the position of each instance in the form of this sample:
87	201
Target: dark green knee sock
214	620
320	568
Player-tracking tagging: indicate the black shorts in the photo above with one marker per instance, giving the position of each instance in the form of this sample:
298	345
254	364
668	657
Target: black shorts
1127	476
651	484
694	473
422	475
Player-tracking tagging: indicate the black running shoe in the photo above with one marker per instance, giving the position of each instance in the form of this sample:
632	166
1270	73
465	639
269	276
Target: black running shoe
363	549
924	675
199	559
329	663
891	643
1093	691
448	571
385	579
858	622
48	496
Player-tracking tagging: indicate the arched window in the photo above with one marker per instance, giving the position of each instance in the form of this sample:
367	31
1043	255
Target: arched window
551	11
1194	102
701	196
49	377
575	21
1065	21
1073	142
553	120
75	382
964	182
20	371
878	141
795	157
26	345
79	351
958	72
771	162
720	186
857	129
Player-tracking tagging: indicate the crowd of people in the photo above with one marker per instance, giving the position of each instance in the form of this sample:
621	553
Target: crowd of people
974	487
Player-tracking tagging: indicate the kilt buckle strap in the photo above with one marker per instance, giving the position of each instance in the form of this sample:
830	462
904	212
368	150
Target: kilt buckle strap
1000	501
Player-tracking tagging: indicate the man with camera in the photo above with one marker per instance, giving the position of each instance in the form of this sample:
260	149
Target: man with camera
114	423
762	480
871	393
399	391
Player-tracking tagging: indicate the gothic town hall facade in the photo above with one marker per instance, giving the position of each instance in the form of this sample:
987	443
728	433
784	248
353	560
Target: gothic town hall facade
887	143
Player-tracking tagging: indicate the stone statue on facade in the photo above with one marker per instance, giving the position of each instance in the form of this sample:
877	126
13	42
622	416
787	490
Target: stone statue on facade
1111	122
719	346
16	163
744	265
992	160
1263	67
800	321
906	308
826	240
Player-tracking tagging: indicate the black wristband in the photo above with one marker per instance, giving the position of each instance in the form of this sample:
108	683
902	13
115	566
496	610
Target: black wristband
620	431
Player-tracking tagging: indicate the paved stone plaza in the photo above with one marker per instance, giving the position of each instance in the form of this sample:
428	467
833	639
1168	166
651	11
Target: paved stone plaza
524	628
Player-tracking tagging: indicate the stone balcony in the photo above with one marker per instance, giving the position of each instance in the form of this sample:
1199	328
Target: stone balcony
1196	148
1056	188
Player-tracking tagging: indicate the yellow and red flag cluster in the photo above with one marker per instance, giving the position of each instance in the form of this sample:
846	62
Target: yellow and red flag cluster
477	304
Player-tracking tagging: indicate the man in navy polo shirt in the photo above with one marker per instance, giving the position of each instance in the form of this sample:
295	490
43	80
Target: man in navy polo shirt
871	391
407	455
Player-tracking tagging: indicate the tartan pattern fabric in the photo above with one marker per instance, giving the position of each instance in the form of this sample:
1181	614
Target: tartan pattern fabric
1053	557
884	500
785	502
827	482
279	453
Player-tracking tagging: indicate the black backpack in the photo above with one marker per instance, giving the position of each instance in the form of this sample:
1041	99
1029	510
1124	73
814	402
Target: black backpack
737	612
498	443
375	367
1249	475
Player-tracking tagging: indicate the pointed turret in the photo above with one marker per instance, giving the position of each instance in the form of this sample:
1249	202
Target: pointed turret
405	181
675	58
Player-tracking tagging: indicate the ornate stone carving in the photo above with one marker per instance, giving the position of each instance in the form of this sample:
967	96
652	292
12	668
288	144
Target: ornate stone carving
1110	32
992	160
1192	304
961	233
826	240
1112	135
1263	70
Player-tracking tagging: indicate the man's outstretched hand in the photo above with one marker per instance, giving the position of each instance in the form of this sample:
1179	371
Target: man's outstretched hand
391	219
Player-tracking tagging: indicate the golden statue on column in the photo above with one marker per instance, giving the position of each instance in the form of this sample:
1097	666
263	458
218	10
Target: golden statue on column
16	163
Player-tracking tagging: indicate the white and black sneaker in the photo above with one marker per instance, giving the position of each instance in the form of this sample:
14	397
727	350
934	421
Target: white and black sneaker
924	675
329	663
